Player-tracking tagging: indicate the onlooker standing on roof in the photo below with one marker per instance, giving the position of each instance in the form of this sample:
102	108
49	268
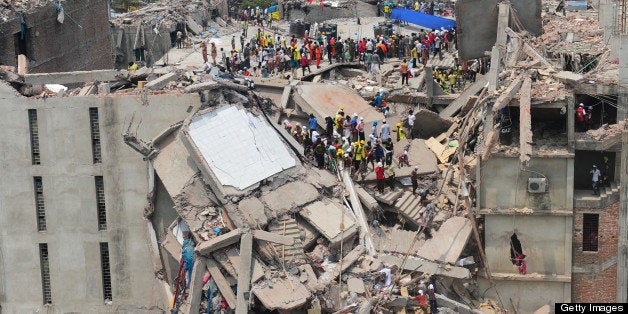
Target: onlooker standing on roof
595	180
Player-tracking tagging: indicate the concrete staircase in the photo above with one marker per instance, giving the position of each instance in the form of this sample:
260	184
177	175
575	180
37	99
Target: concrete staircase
293	252
409	206
388	197
586	199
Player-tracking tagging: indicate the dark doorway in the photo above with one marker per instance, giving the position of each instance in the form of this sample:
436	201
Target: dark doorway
590	227
583	164
603	110
22	43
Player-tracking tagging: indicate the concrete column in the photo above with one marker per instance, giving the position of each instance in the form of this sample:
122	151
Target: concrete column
502	23
493	73
499	49
429	83
244	273
622	245
571	123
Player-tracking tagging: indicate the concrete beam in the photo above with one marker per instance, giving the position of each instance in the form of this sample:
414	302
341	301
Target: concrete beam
161	81
356	206
525	122
196	286
457	307
219	242
71	77
273	237
244	273
504	98
221	282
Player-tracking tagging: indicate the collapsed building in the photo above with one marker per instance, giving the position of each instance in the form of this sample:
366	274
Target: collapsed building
231	207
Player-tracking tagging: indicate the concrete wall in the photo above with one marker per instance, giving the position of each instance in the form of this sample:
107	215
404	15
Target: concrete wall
82	42
156	45
68	183
477	24
543	240
525	295
505	186
595	273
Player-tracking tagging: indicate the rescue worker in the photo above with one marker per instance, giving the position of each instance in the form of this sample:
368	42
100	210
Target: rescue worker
401	134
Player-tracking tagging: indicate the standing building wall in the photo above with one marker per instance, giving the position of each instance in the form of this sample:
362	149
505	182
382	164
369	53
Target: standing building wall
68	170
82	42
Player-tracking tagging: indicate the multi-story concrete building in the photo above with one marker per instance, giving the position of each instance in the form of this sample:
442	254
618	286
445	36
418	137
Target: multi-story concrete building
72	197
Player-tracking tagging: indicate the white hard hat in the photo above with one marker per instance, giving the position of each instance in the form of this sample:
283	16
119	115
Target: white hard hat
421	292
431	286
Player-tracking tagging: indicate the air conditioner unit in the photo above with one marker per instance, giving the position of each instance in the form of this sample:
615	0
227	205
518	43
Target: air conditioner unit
537	185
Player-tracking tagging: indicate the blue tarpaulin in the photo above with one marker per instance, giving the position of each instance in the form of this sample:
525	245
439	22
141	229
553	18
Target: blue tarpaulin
425	20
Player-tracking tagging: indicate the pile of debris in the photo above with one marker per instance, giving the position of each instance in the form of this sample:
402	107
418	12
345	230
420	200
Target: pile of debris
10	9
166	13
574	33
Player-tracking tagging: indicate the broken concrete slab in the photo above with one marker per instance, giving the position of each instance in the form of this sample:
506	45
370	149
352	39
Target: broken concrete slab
448	242
196	286
71	77
288	197
324	100
418	152
355	285
282	294
273	237
428	124
321	178
418	264
219	242
193	26
327	219
569	77
397	241
173	164
252	211
161	81
442	152
367	200
309	233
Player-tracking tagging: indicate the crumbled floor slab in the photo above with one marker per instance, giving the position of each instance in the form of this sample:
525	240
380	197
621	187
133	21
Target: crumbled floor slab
282	293
427	267
321	178
252	212
309	234
288	197
325	99
418	152
240	147
448	242
428	123
173	164
355	285
327	219
396	241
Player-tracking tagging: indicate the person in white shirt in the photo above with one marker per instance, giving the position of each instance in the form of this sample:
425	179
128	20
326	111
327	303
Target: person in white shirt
595	180
385	131
411	118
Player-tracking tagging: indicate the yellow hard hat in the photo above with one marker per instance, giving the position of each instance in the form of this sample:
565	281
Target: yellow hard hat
355	143
362	142
342	107
340	152
398	125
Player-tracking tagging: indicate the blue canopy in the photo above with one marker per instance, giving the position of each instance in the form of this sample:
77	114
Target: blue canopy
422	19
272	9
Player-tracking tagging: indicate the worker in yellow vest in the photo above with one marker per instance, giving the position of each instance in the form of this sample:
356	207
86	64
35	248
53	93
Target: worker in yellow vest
401	134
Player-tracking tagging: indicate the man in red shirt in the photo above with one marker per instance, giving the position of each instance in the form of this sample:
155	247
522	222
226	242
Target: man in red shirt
379	175
580	116
422	301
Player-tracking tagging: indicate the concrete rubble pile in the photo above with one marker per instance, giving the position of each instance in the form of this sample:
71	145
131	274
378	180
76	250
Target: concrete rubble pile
8	8
259	227
165	13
